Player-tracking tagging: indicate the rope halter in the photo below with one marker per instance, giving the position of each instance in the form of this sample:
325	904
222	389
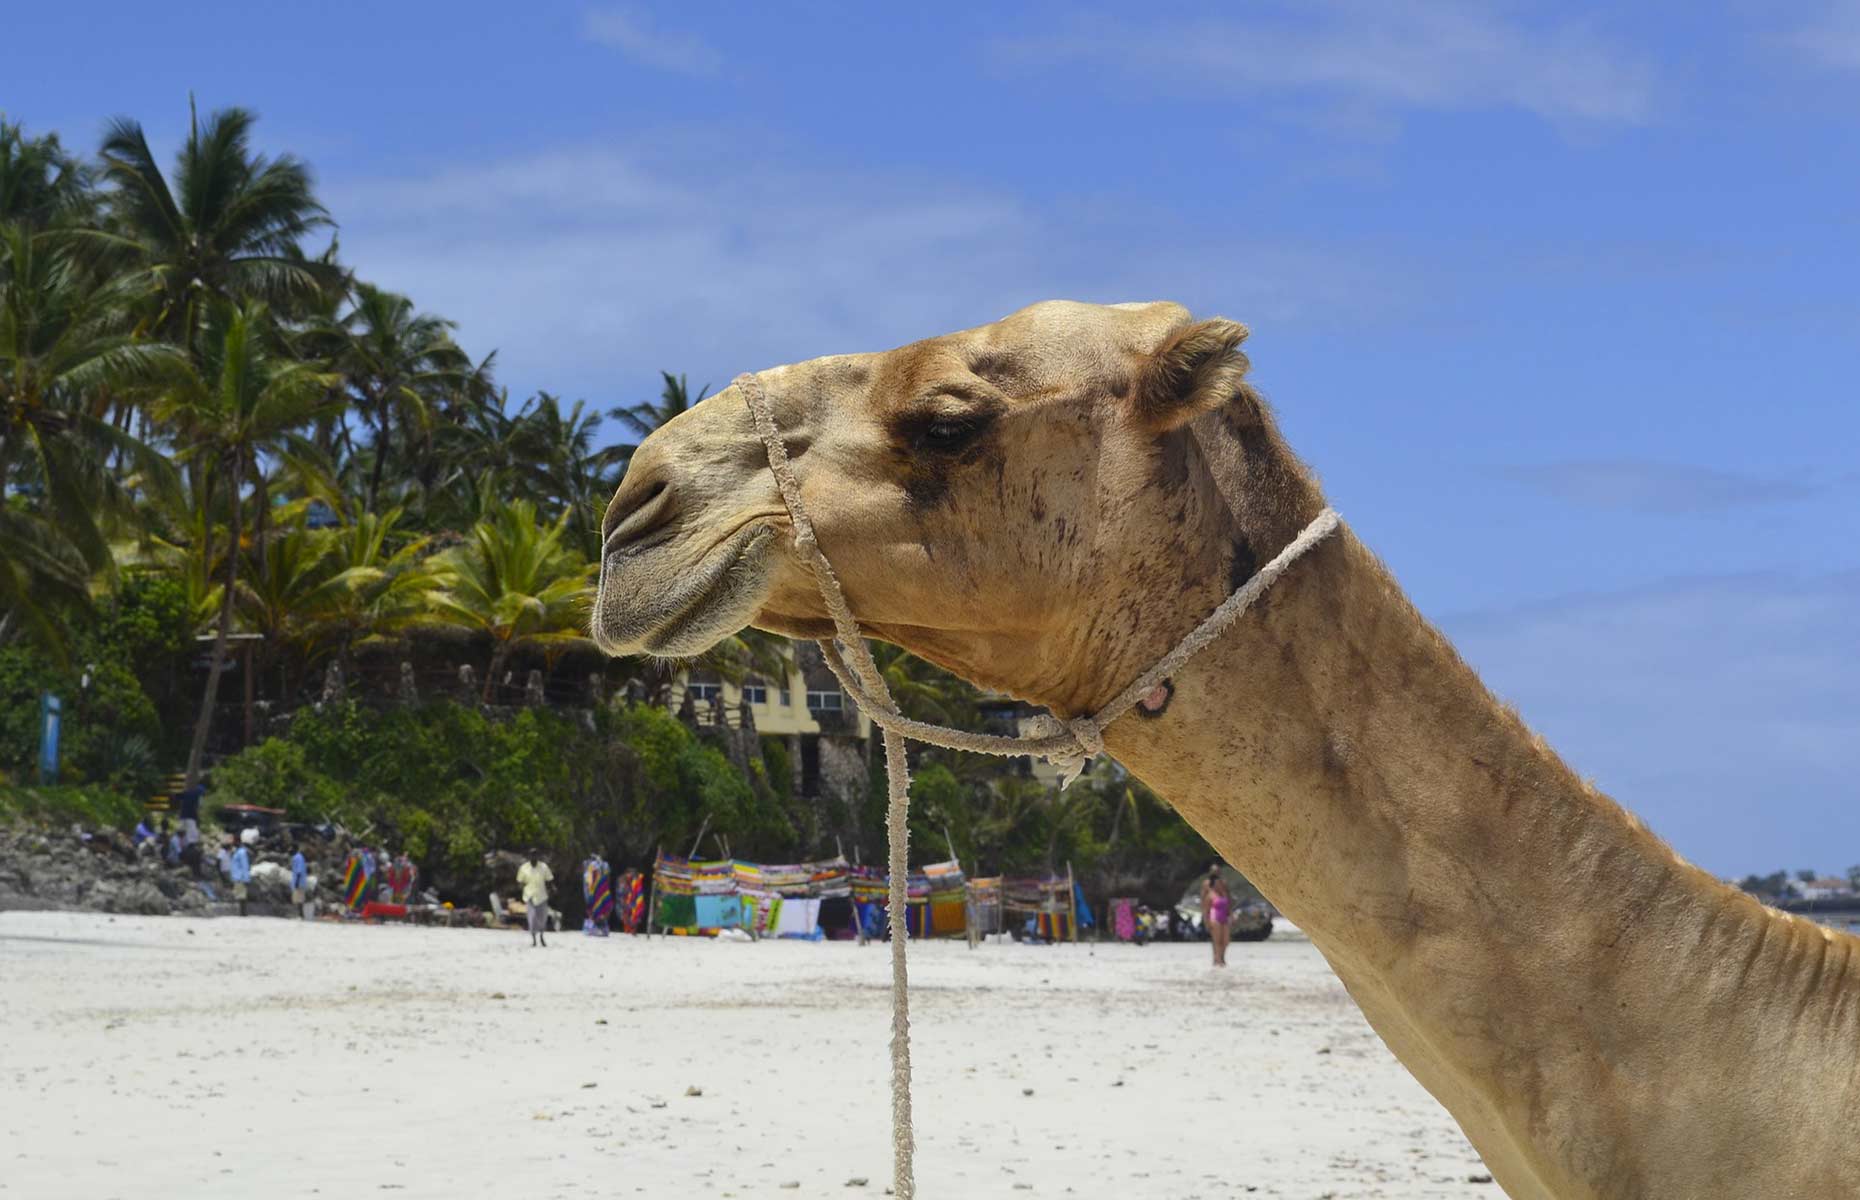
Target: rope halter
1068	744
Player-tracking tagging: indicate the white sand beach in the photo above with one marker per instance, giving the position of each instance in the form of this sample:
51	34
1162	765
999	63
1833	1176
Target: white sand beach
172	1057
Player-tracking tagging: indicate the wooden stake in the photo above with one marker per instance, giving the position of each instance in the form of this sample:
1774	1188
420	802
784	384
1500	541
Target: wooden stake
652	894
1072	900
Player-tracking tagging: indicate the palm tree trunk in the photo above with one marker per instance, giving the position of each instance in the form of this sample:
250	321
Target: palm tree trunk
374	477
261	497
211	696
490	675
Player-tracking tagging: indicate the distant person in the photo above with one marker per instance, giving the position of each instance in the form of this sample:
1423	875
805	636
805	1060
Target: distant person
225	860
300	882
534	878
241	872
1216	907
143	832
402	877
173	854
189	799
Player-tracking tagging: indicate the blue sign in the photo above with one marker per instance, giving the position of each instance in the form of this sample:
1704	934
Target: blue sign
50	708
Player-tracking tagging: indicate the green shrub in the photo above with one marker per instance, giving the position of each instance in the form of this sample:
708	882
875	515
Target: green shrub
92	807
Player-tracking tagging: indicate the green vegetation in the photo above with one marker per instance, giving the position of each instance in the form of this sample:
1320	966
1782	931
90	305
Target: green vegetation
233	470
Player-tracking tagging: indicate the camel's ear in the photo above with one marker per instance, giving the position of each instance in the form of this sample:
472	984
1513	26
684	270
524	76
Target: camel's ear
1197	369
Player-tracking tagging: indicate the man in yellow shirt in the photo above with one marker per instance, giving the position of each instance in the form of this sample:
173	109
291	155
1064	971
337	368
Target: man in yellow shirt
534	878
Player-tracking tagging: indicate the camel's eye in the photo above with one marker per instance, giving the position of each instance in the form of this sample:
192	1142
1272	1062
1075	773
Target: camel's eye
943	433
947	433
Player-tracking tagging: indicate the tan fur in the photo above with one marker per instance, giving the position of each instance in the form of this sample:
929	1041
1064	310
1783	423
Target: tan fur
1046	504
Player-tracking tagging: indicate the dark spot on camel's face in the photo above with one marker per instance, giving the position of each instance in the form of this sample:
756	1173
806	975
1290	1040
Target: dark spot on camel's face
999	367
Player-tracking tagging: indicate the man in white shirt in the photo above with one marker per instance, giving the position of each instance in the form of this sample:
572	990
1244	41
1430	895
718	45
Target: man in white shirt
534	878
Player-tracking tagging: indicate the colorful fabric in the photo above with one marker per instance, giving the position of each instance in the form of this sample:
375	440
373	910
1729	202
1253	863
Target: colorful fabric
597	890
1124	919
761	913
633	902
677	912
400	876
1054	926
597	893
719	912
354	884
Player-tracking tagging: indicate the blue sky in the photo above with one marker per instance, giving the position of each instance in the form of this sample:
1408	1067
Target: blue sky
1562	302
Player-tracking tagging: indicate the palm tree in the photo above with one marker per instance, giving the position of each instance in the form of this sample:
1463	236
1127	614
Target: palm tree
62	343
382	583
40	184
41	577
923	691
239	401
179	544
282	593
516	580
674	398
559	466
230	227
752	653
399	365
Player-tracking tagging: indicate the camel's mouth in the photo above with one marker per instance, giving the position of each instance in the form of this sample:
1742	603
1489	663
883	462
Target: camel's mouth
657	602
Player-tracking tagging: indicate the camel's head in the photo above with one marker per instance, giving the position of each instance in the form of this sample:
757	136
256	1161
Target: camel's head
1024	484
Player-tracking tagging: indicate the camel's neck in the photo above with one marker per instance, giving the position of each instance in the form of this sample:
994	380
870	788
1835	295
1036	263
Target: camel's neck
1337	749
1488	910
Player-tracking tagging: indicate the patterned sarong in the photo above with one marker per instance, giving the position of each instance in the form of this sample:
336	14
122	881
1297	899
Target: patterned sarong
597	890
1124	919
633	902
354	884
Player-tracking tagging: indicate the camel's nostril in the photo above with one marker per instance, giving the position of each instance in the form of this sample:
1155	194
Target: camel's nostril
629	518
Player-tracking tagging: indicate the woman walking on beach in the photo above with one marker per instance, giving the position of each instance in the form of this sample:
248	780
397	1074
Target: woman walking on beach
1216	908
534	878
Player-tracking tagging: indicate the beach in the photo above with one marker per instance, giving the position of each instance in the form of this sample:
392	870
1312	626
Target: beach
183	1057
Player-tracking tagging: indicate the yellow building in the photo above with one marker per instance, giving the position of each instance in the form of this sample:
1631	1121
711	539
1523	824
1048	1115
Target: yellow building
796	705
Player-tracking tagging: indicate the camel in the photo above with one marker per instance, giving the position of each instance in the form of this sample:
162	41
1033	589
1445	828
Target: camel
1044	505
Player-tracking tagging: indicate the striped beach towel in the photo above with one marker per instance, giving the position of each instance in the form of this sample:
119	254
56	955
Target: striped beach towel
354	884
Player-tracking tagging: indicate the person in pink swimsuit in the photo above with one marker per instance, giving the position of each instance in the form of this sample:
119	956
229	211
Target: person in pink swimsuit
1216	907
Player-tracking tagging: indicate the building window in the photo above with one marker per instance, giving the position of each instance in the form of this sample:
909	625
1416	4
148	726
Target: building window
787	698
704	693
828	701
755	693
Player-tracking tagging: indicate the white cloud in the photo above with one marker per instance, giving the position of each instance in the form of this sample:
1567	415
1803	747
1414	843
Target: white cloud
1720	709
1634	485
589	268
1832	39
632	33
1441	55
